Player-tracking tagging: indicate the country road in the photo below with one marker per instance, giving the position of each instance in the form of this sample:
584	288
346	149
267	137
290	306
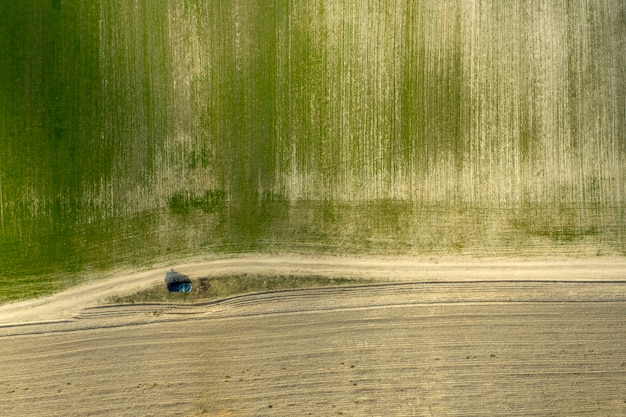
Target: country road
67	304
455	339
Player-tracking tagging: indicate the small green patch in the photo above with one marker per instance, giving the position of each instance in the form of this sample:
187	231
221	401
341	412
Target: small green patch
568	234
211	201
210	288
33	286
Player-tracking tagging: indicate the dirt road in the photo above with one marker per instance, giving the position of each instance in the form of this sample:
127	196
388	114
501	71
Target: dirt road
455	338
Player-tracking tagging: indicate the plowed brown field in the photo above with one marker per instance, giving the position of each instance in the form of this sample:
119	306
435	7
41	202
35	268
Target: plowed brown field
461	344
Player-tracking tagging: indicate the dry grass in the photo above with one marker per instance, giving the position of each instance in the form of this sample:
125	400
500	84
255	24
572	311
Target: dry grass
210	288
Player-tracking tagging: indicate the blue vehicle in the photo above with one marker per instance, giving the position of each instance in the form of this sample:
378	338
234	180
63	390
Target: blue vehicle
177	282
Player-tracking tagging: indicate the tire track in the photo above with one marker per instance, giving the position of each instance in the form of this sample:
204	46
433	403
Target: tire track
371	296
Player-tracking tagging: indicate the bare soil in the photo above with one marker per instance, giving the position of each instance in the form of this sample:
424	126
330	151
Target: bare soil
453	337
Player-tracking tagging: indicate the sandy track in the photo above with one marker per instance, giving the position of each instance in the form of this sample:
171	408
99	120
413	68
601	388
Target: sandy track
67	304
447	343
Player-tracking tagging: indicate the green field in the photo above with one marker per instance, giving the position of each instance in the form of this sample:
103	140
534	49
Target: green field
135	130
